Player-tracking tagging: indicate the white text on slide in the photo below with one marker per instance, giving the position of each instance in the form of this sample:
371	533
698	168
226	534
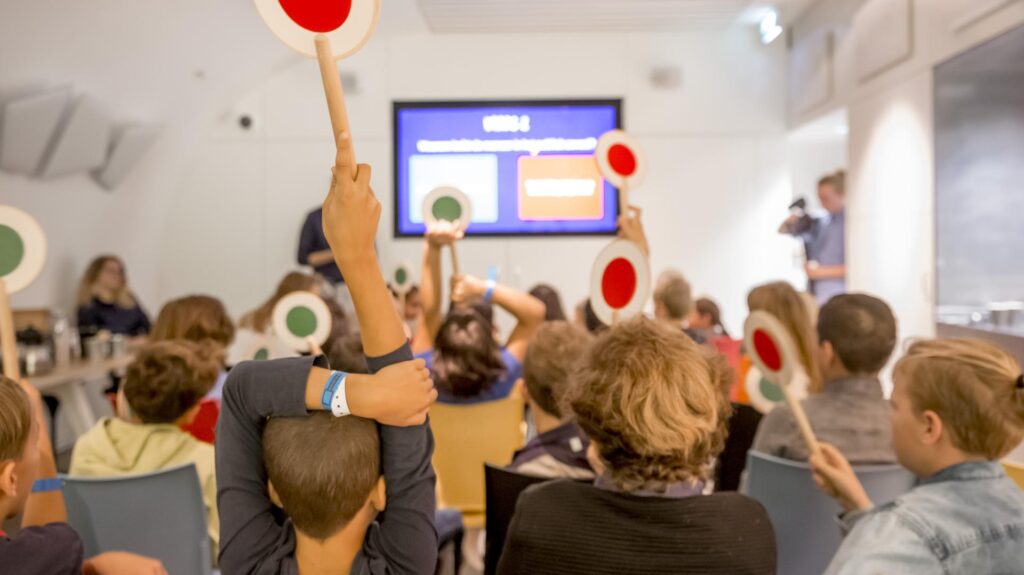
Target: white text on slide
560	188
532	147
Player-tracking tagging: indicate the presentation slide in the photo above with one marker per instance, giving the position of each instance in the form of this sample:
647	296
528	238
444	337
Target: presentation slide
527	167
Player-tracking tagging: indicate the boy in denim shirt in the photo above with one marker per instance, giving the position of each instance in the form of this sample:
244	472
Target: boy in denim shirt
957	408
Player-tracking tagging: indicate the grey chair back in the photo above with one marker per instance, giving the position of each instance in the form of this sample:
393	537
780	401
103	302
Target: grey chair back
159	515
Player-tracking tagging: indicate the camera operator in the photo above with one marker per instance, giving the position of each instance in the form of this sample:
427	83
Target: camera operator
824	238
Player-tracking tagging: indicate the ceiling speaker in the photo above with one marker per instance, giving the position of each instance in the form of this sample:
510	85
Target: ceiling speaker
83	143
29	125
127	148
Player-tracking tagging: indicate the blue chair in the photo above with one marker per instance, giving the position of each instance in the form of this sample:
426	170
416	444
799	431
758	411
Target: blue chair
159	515
804	518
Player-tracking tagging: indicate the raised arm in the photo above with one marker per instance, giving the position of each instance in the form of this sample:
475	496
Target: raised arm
528	310
406	539
45	507
438	236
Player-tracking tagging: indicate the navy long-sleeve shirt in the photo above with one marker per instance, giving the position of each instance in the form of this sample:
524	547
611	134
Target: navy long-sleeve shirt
403	540
312	240
98	315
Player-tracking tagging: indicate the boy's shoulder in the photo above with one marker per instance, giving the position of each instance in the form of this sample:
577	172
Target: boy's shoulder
54	548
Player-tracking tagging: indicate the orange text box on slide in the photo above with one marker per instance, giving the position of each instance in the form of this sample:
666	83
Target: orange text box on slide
560	188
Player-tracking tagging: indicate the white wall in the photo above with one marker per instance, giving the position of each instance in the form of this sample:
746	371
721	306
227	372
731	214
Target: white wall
890	214
716	190
217	210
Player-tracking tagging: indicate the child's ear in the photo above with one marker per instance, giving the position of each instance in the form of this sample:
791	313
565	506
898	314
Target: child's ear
8	479
933	429
274	497
522	391
378	495
826	354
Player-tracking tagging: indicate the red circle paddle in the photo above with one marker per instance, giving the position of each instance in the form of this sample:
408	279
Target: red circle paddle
622	160
618	283
320	16
766	349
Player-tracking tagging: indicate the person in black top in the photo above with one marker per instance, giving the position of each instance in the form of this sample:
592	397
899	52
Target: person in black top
314	250
645	397
105	304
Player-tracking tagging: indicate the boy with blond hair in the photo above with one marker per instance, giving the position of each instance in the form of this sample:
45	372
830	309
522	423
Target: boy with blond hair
957	409
644	394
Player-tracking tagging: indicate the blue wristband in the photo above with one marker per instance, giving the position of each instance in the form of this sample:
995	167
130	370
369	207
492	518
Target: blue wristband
492	281
330	387
48	485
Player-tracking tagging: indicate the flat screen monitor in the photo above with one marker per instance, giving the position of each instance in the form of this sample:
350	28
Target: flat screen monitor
527	167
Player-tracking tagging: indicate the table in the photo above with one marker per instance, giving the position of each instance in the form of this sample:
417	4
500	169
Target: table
66	382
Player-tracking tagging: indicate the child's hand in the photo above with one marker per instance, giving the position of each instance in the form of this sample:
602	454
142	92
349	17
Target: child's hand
443	233
467	288
118	563
834	475
632	229
351	211
397	395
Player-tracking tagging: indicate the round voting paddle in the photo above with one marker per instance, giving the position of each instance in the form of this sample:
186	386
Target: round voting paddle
302	321
622	162
448	204
22	255
620	282
327	30
773	352
401	280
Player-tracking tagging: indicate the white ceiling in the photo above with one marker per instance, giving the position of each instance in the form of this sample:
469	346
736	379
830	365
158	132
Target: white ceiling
504	16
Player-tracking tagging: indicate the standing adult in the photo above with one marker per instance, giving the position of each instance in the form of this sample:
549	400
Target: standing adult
105	304
824	239
314	250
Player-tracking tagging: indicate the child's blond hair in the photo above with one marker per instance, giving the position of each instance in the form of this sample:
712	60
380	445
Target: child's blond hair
974	387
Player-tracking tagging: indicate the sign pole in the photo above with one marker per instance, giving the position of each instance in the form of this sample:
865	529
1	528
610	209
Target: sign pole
7	338
334	91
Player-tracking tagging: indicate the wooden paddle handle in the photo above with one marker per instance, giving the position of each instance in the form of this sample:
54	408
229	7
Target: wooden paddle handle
455	261
7	340
801	420
333	90
624	200
314	346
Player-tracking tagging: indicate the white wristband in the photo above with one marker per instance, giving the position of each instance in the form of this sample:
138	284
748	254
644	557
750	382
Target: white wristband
339	403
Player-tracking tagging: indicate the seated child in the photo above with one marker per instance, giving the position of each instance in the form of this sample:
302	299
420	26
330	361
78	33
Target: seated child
162	390
325	470
461	348
644	395
560	448
957	409
203	320
46	545
857	334
673	301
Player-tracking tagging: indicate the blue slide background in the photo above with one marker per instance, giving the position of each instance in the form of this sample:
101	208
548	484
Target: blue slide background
414	122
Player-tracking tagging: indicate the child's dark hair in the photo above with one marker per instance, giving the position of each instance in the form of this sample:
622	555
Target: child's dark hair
346	354
707	307
168	378
861	329
467	359
552	302
322	467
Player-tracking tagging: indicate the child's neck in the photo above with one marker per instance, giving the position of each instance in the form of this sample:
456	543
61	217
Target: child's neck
543	420
944	459
334	555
